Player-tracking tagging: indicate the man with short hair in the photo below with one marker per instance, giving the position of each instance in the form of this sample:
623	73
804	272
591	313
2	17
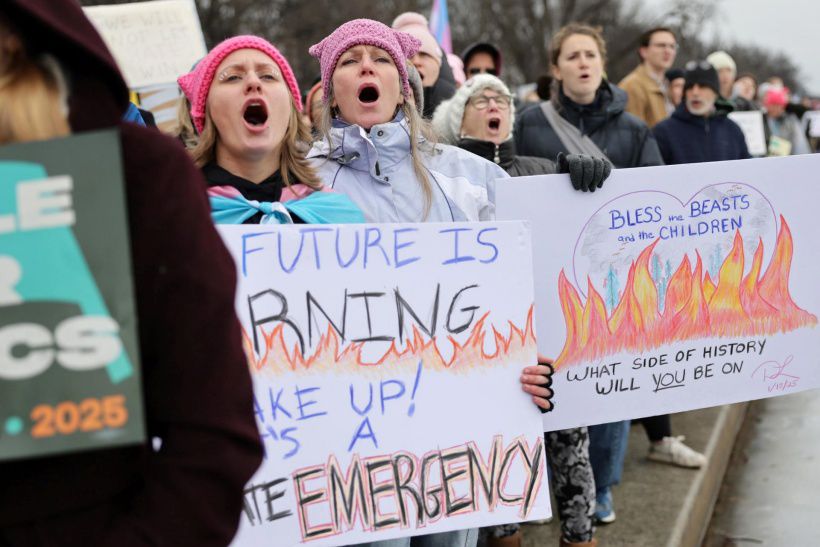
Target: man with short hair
645	85
699	130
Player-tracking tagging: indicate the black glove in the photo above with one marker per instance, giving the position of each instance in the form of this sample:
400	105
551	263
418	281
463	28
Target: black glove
586	172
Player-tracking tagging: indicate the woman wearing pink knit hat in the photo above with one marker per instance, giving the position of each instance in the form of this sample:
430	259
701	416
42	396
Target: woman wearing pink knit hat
378	151
246	107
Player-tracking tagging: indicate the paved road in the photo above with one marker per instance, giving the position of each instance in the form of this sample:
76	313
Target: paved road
771	493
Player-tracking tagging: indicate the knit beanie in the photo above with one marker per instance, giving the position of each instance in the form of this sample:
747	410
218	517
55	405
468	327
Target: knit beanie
721	59
399	45
449	115
776	96
415	24
197	84
703	74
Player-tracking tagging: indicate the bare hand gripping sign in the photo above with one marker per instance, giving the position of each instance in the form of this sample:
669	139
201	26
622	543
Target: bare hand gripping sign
69	375
386	363
677	287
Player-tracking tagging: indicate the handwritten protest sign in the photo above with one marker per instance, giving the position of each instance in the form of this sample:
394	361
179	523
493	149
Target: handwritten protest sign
69	376
153	42
386	363
751	123
675	288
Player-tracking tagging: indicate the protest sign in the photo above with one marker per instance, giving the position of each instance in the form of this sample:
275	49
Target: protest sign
811	119
386	362
153	42
69	376
674	288
751	123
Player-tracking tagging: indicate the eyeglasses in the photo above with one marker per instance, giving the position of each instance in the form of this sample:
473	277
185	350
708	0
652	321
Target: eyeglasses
475	70
482	101
673	47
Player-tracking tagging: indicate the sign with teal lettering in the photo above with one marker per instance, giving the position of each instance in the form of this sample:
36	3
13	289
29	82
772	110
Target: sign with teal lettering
69	364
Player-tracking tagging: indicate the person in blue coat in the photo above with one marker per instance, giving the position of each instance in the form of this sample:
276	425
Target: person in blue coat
700	130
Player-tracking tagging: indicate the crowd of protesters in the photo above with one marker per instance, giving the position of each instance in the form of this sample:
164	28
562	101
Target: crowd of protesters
393	130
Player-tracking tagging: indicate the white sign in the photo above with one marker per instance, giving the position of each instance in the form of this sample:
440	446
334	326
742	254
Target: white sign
153	42
386	363
812	120
751	123
675	288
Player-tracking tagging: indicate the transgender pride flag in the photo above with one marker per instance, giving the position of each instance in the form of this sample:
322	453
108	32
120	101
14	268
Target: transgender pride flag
440	25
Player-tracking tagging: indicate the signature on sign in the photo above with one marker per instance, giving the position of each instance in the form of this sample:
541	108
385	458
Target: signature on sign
773	373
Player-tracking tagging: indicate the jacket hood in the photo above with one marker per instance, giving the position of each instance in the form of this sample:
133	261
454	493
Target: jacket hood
486	47
98	96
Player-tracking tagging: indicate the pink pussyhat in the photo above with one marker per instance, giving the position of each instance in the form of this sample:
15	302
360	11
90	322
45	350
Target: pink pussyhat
399	45
197	83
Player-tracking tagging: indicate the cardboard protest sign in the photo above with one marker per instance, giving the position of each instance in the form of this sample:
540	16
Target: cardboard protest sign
675	288
386	363
153	42
69	369
751	123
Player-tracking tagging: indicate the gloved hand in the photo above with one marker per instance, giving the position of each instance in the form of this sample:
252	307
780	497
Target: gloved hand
586	172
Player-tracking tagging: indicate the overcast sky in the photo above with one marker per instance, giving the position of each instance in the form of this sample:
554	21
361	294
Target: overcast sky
791	26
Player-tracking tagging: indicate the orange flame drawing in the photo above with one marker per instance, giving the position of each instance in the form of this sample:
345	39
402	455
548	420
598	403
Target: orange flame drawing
695	306
330	353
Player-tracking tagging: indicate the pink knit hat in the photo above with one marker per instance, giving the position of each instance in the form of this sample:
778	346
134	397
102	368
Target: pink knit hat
415	24
399	45
197	83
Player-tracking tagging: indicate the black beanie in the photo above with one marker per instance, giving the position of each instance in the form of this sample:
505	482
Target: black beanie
703	74
674	73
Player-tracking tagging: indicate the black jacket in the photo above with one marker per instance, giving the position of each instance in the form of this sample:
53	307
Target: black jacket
686	138
197	388
504	154
625	139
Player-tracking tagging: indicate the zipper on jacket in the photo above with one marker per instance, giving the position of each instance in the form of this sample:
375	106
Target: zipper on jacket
378	172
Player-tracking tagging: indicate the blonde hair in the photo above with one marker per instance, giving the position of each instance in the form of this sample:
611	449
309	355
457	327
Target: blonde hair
32	95
419	127
292	161
185	131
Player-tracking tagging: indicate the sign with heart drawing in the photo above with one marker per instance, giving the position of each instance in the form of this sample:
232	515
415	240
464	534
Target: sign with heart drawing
674	288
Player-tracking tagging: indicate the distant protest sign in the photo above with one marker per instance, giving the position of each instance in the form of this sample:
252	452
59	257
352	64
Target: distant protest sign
153	42
751	123
69	374
812	122
675	288
386	362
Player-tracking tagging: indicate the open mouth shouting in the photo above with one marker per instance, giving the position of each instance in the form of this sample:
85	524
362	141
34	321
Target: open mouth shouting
493	124
368	93
255	114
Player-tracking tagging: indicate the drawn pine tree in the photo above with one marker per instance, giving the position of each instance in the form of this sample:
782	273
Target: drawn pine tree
612	289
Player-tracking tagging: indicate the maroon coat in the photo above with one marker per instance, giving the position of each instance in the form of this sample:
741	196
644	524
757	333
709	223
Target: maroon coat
196	383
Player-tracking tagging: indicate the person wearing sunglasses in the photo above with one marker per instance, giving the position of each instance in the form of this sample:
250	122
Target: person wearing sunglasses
481	58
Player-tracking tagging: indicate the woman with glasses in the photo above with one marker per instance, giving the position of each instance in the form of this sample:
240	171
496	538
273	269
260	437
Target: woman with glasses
479	118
